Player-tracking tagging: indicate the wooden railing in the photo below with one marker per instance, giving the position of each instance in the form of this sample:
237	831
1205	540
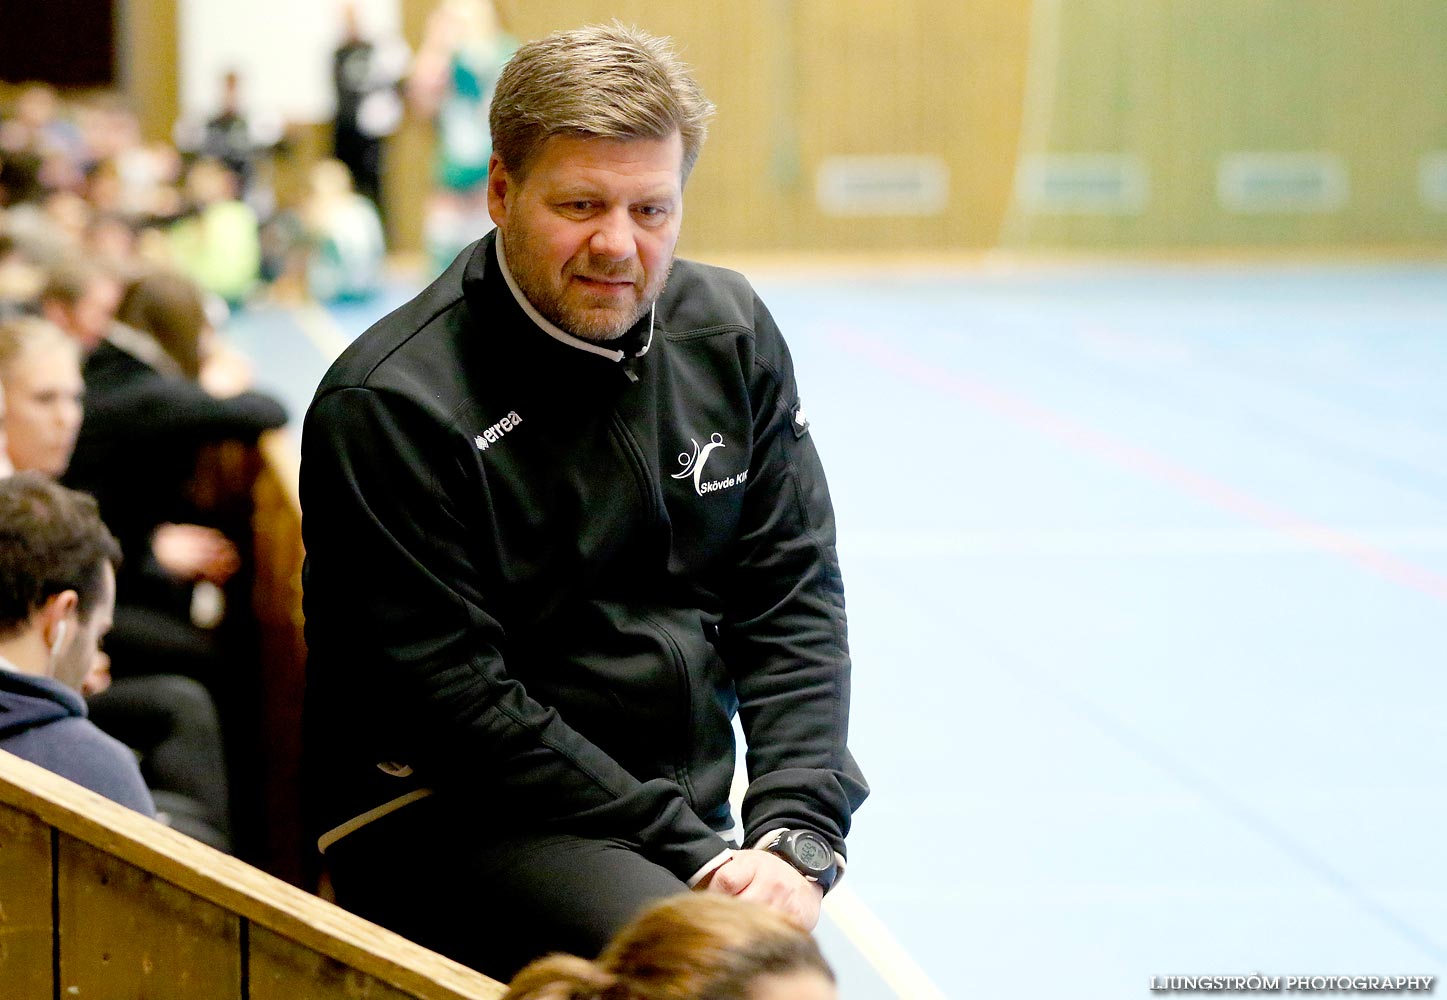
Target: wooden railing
99	901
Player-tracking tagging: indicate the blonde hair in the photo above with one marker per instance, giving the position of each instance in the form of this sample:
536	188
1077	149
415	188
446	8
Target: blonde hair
696	946
23	335
605	81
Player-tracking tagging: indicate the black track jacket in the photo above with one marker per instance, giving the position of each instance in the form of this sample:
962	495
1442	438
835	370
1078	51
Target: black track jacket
544	581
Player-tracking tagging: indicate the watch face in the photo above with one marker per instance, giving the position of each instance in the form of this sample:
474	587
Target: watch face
813	852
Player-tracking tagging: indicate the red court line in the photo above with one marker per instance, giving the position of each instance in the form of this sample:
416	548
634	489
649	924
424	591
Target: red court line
1140	460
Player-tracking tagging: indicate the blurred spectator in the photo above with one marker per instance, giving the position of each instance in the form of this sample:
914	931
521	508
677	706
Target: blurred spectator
366	77
452	82
40	371
344	235
112	241
30	223
218	244
41	126
81	298
148	413
240	139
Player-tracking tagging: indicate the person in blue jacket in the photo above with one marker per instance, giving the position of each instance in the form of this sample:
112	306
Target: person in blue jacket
57	594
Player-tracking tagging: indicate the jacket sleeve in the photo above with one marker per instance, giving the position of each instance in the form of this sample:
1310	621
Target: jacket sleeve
784	635
165	406
394	600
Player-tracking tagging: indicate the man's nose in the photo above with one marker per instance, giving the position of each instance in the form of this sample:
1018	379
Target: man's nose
613	238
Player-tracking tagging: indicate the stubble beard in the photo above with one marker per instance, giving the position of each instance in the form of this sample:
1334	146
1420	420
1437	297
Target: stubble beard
597	325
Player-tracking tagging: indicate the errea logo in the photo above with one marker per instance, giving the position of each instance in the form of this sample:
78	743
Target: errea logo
494	434
693	466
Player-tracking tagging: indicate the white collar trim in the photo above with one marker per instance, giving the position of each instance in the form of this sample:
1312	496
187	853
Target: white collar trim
554	331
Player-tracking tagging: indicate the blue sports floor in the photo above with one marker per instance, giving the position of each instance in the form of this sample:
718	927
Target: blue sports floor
1147	576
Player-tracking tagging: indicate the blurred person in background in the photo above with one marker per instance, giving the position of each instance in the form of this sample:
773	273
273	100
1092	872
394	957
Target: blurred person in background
452	80
30	223
42	125
218	242
81	298
148	414
344	237
237	137
40	371
366	81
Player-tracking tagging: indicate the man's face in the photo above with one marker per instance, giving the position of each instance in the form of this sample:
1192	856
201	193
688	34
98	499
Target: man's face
589	232
78	657
42	411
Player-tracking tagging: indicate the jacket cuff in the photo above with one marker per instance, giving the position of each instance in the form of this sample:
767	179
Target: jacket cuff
712	866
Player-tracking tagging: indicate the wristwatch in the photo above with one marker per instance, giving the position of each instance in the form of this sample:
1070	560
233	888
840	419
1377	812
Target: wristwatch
808	853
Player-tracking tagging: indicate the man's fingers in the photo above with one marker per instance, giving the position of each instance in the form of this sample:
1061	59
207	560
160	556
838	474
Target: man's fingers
731	878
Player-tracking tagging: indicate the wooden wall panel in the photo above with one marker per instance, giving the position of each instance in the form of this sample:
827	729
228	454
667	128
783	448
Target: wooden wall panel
125	933
147	41
1179	83
26	928
938	79
279	965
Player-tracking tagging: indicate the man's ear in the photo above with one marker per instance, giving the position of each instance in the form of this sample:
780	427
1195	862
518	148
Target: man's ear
55	617
499	187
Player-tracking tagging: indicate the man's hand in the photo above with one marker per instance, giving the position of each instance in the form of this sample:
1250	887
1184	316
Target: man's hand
763	878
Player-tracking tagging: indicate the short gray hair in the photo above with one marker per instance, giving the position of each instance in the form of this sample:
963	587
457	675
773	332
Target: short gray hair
606	81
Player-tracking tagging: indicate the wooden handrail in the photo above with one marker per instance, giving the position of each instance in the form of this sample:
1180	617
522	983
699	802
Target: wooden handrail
267	931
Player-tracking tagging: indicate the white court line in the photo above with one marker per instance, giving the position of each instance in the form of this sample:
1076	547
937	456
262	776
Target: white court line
322	330
878	946
864	931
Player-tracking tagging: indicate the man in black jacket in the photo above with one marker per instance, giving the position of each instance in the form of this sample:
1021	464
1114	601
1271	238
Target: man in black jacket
564	519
